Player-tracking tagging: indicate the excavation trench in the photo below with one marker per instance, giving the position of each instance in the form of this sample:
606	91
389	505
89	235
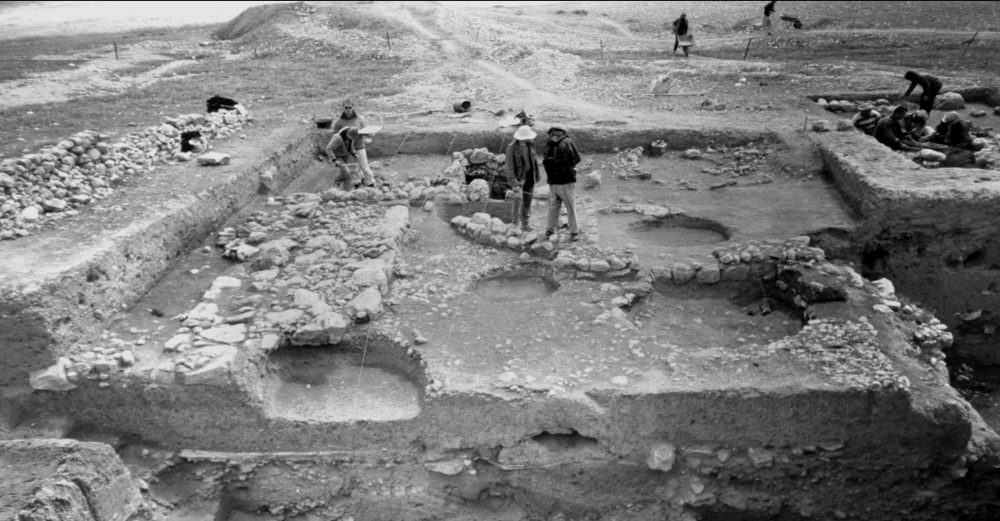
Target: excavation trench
711	377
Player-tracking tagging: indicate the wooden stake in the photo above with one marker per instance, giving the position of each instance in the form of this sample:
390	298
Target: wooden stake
255	52
387	42
747	51
477	34
116	49
602	49
970	43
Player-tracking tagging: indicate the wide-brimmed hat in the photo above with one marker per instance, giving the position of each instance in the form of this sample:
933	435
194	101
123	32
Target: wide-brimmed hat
920	114
865	106
553	129
524	133
950	117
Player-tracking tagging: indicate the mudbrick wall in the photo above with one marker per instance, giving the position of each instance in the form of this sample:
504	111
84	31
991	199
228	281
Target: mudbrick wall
934	232
53	303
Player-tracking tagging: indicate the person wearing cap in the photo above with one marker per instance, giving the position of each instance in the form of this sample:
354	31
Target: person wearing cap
561	158
866	119
952	131
930	86
522	173
341	150
350	118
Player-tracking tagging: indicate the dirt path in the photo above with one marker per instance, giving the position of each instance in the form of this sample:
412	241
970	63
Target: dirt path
93	77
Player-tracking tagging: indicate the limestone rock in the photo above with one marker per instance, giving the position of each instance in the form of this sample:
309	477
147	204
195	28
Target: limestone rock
931	155
592	180
662	457
452	467
844	124
821	125
227	334
52	378
286	318
949	101
691	153
54	205
213	159
480	156
366	305
30	214
328	328
541	192
216	372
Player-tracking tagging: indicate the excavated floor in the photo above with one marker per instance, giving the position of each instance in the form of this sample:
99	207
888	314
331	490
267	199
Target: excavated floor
494	387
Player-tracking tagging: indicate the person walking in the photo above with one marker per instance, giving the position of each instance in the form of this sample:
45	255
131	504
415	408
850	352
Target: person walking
561	158
341	151
350	118
930	86
522	174
768	11
681	29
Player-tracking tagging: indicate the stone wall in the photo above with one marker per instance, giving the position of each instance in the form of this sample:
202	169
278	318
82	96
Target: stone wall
57	180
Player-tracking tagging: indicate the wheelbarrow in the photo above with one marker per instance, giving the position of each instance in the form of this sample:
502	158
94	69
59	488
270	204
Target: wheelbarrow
791	21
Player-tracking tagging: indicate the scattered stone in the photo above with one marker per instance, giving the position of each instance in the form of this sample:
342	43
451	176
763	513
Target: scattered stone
213	159
662	457
821	125
844	124
592	180
52	378
227	334
691	153
949	101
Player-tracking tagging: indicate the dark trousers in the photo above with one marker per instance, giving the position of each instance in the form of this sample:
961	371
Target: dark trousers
927	99
677	43
522	206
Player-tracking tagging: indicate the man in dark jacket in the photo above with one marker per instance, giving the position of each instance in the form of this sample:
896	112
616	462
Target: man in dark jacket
560	163
680	29
889	131
341	151
930	86
522	173
768	11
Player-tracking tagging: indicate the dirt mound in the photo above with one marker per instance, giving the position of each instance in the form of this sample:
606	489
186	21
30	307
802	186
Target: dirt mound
256	17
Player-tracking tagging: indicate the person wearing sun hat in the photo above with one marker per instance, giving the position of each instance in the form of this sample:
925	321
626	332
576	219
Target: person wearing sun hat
350	118
521	165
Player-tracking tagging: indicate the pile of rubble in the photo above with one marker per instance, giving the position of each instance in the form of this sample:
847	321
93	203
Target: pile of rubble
76	171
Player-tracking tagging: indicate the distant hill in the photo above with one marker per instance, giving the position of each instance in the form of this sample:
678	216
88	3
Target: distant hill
256	17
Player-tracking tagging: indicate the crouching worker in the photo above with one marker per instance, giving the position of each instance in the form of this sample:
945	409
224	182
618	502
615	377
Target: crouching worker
350	118
954	132
341	151
866	119
889	131
522	174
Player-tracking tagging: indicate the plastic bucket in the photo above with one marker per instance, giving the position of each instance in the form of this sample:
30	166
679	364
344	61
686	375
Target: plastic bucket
324	123
462	106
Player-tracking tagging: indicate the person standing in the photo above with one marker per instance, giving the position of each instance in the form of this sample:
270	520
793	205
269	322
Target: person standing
522	173
930	86
341	151
680	29
561	158
768	11
350	118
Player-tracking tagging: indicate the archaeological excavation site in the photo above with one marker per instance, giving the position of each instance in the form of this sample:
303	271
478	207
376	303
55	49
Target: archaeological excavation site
768	315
